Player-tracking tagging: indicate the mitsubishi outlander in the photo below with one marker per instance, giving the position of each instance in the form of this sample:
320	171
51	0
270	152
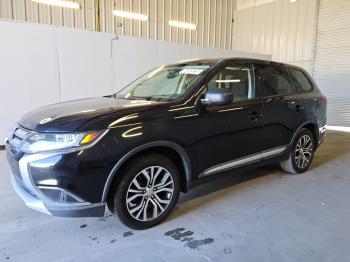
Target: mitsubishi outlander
176	127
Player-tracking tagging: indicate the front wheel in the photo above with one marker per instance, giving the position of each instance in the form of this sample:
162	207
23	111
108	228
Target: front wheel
147	192
302	153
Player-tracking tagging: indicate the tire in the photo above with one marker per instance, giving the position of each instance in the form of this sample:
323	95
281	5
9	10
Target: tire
148	191
301	154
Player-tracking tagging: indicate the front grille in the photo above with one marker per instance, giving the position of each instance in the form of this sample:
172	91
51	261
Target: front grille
20	133
16	139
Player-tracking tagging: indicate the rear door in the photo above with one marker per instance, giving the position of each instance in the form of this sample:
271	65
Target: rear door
227	135
284	109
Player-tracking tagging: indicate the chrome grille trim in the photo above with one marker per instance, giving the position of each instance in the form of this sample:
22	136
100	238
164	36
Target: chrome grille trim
16	139
21	133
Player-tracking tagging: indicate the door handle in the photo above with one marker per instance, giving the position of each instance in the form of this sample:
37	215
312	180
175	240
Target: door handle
299	108
255	116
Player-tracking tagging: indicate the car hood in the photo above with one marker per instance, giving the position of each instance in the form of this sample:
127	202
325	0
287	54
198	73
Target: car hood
69	116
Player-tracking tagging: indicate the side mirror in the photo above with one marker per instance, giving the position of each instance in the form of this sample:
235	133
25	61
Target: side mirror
217	97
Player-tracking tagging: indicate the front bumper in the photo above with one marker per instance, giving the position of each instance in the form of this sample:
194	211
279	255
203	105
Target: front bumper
29	198
48	199
56	209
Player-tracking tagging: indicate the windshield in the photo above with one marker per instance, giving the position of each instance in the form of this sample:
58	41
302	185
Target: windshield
164	83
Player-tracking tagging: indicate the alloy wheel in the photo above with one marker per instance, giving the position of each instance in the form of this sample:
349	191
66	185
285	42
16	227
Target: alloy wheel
149	193
303	151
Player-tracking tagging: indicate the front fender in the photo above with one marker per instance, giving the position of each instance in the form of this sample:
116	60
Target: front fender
176	147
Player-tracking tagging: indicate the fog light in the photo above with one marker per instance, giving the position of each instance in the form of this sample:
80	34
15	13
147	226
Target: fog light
59	195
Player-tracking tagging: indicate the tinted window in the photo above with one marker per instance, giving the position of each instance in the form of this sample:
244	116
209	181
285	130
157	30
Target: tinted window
238	79
275	81
300	80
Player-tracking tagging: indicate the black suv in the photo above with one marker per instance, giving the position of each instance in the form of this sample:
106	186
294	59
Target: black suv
175	127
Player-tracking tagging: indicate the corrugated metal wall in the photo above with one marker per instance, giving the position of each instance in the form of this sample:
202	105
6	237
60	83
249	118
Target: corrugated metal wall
26	10
214	18
332	58
282	28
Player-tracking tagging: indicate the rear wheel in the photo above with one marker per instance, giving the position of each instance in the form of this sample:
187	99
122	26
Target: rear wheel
147	192
301	154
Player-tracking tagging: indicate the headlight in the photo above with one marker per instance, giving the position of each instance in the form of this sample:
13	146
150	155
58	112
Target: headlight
39	142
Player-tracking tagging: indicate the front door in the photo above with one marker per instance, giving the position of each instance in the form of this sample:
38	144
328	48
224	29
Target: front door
230	136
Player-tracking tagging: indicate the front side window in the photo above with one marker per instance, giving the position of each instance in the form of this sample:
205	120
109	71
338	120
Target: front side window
165	83
274	81
238	79
300	80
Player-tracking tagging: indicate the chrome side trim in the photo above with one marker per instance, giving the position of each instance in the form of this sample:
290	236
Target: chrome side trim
231	109
229	165
273	152
243	161
192	115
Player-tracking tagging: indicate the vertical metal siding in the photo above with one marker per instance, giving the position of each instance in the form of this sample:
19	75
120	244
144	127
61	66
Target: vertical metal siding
278	27
212	17
332	58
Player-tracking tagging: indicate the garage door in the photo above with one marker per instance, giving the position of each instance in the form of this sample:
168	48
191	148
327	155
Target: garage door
332	58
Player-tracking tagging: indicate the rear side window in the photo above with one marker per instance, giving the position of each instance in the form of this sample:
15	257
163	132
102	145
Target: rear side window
275	80
300	80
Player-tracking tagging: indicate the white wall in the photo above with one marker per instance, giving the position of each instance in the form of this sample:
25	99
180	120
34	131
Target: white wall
282	28
28	71
42	65
135	56
85	63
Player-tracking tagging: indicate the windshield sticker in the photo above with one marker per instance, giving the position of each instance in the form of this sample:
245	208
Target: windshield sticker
193	70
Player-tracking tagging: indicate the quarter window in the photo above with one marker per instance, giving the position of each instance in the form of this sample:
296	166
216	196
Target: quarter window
275	81
300	80
238	79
